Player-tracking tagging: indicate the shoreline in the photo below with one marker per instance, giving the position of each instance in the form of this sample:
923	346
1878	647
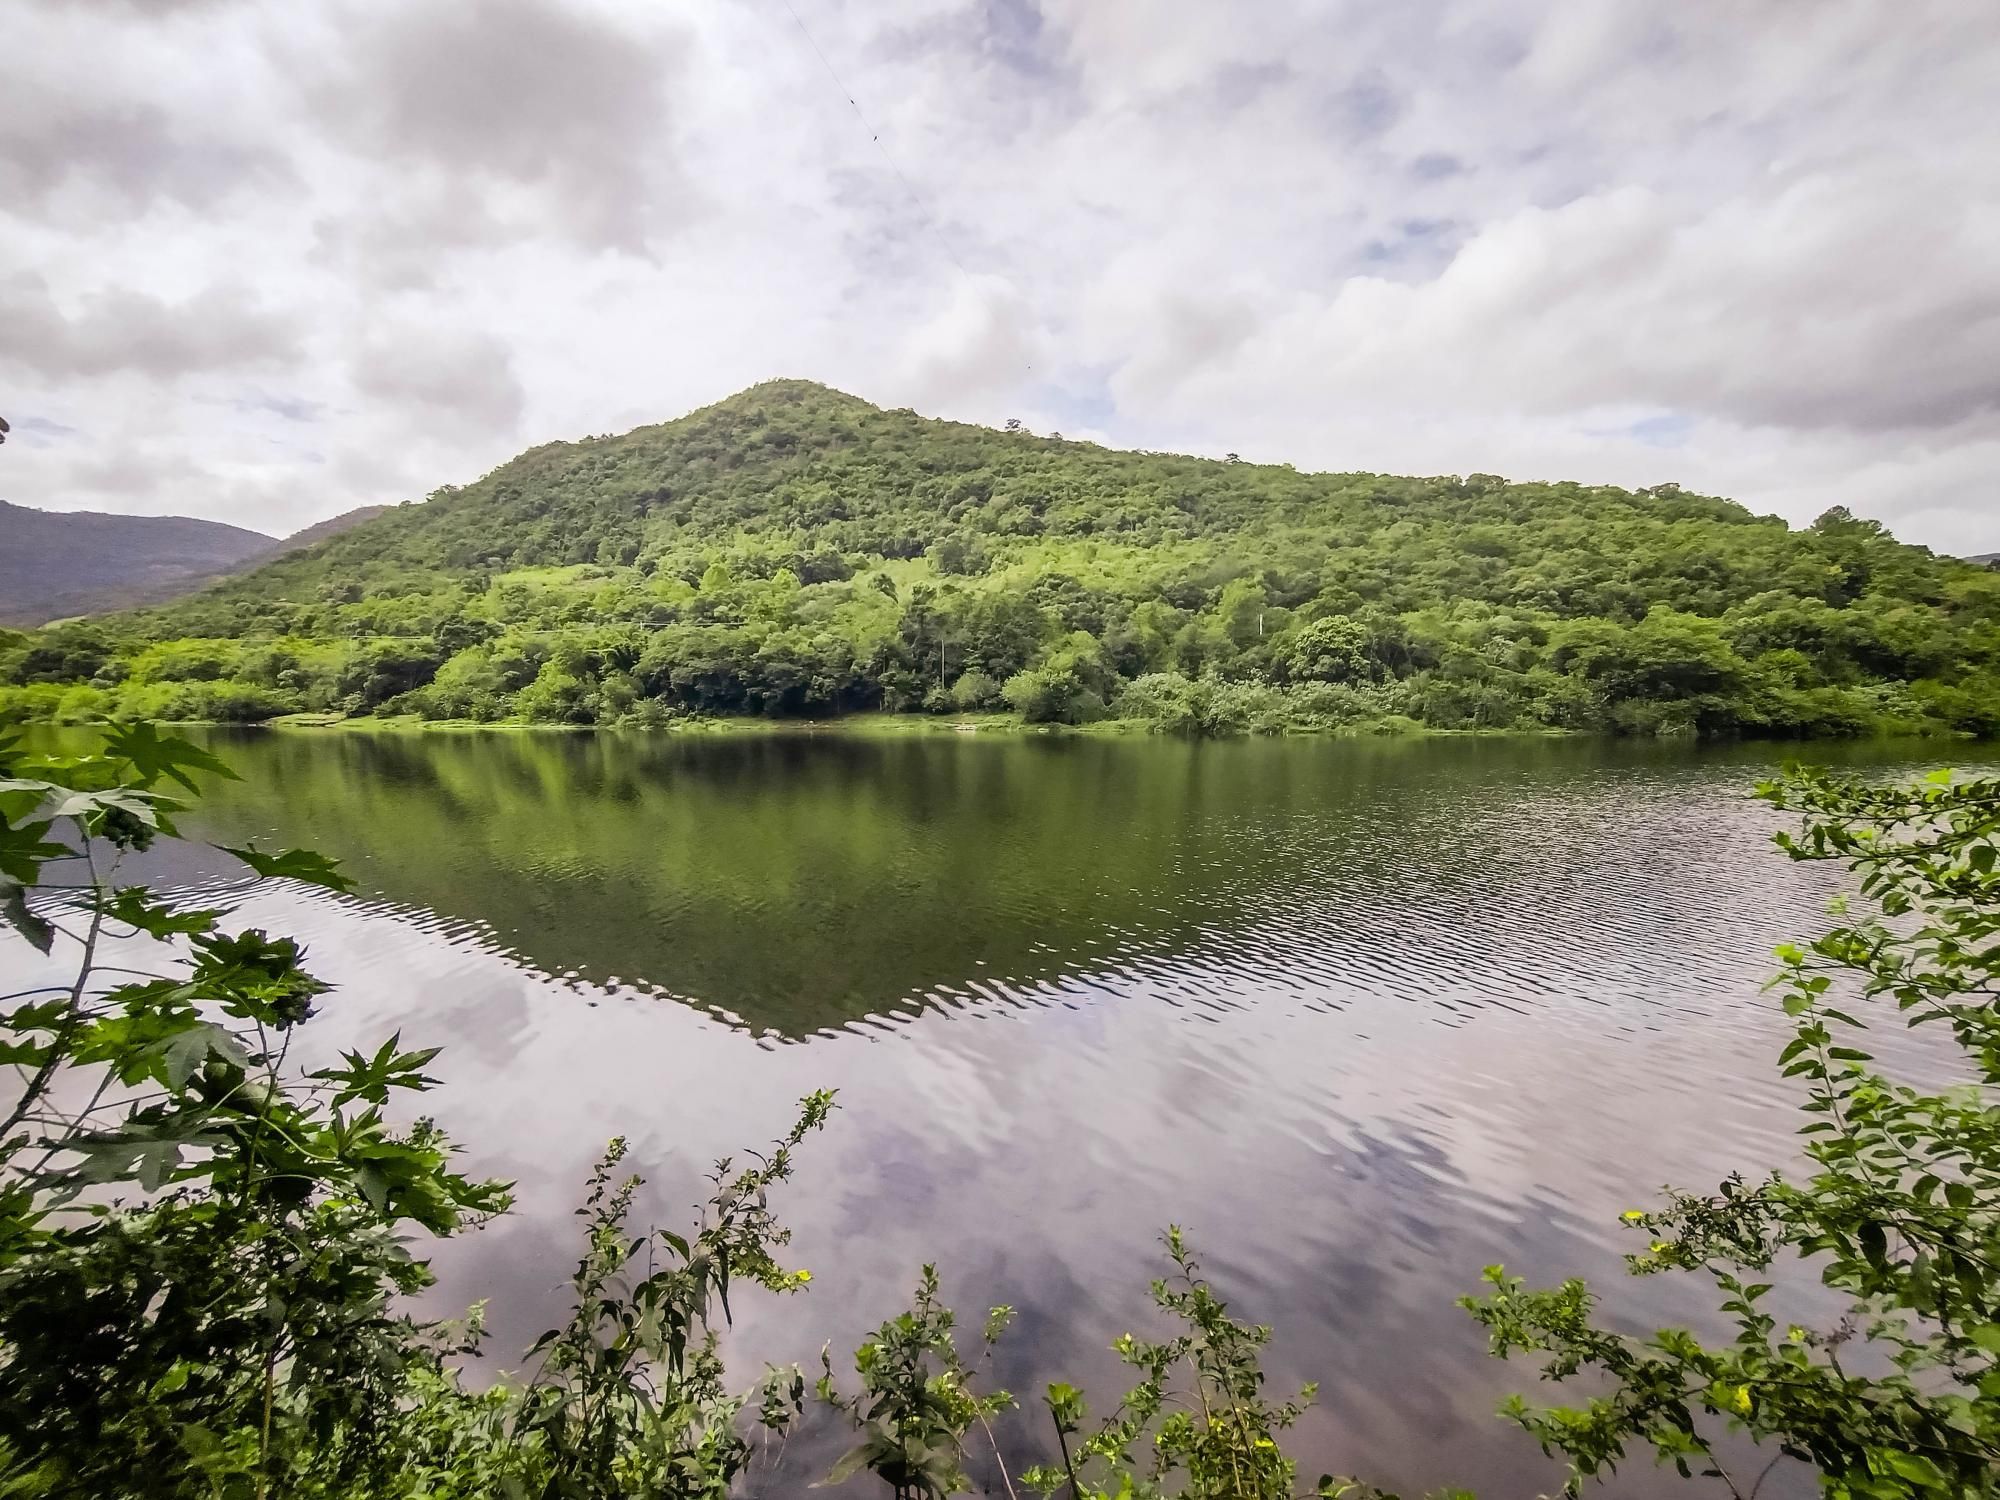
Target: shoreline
880	724
875	724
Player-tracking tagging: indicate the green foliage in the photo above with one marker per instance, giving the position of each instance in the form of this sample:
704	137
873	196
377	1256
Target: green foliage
793	551
1900	1215
203	1263
1196	1426
630	1397
220	1330
917	1400
1334	649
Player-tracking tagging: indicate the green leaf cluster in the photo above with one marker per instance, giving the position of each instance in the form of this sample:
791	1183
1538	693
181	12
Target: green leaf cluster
205	1262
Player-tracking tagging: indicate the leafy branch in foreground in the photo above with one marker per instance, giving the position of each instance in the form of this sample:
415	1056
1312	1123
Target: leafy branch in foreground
1198	1413
1900	1216
629	1397
204	1271
917	1400
1196	1426
200	1251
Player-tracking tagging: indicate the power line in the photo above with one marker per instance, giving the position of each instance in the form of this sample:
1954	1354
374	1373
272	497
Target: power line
925	211
923	208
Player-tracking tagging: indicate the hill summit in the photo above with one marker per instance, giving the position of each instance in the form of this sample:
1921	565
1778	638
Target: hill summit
793	550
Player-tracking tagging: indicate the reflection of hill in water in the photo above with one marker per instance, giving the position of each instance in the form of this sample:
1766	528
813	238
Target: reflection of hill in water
802	882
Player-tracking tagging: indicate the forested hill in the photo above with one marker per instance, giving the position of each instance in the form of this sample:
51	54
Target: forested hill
796	551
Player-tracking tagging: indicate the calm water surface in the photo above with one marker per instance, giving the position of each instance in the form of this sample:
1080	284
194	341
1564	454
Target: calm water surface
1363	1016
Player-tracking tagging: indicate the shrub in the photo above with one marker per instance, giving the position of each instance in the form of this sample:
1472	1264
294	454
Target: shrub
34	703
1053	695
1333	649
973	691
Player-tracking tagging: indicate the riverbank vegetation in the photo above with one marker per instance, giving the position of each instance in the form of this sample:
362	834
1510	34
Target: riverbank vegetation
796	552
205	1290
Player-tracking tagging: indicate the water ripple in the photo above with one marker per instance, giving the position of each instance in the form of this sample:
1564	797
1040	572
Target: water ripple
1365	1017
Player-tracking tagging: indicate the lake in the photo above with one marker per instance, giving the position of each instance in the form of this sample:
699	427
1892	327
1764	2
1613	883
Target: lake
1364	1016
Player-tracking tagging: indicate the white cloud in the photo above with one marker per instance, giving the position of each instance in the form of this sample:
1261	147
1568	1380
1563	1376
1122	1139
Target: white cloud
269	263
457	378
981	346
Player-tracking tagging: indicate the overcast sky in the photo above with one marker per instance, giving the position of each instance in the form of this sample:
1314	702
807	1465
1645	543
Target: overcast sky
265	262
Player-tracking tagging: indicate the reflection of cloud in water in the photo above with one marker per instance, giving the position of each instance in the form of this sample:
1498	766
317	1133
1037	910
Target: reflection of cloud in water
492	1021
1343	1188
1364	1022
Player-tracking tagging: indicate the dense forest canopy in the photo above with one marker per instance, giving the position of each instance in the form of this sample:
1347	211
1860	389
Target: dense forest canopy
796	551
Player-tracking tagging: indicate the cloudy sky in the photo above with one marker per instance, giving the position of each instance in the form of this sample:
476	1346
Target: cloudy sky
263	263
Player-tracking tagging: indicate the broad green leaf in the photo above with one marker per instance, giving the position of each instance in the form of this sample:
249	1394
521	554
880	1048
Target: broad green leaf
153	755
188	1052
14	911
24	850
293	864
851	1462
137	907
139	805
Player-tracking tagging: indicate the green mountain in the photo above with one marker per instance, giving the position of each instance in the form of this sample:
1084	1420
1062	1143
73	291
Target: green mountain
796	551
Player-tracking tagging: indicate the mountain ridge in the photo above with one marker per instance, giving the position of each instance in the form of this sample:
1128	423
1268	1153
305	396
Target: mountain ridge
752	409
794	550
58	564
55	563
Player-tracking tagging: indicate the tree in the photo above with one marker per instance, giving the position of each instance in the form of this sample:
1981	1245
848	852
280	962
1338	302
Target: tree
1838	519
1066	689
1330	650
959	554
974	690
1240	609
